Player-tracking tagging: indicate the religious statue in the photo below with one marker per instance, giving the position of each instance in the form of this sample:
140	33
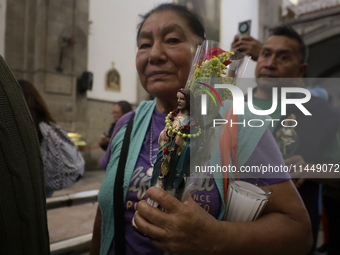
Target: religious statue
173	159
287	138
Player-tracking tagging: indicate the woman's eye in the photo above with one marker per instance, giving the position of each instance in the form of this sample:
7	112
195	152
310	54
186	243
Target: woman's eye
144	46
173	40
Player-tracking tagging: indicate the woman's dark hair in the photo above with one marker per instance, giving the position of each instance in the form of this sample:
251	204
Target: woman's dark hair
193	20
124	106
291	33
35	103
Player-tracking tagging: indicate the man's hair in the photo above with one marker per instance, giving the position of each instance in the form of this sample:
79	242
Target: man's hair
291	33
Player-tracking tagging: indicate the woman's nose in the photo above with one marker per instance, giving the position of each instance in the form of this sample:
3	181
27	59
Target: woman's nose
157	54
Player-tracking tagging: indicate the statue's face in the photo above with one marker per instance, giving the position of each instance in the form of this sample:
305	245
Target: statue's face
181	101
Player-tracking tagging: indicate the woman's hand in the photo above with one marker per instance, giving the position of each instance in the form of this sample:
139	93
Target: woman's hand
284	228
184	228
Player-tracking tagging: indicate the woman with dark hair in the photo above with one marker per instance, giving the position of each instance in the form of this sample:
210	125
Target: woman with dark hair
167	40
38	110
119	109
36	105
125	107
63	163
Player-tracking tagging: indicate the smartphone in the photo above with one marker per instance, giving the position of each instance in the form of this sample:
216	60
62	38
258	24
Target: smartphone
244	28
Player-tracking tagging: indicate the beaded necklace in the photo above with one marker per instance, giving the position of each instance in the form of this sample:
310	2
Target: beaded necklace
150	170
171	116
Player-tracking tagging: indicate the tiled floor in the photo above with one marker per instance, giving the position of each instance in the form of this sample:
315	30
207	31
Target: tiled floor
72	221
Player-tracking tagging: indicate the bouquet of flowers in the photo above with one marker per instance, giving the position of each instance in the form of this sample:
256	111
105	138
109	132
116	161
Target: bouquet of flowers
213	65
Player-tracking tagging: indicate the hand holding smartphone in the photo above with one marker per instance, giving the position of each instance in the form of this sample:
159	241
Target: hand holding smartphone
244	28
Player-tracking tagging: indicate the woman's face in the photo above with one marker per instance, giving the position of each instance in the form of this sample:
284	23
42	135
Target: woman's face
166	47
116	113
181	103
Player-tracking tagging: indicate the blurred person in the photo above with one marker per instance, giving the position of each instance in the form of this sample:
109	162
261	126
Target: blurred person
38	110
283	55
167	39
119	109
23	221
62	161
36	105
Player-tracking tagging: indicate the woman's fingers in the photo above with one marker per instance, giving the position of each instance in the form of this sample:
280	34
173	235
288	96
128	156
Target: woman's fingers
166	200
148	229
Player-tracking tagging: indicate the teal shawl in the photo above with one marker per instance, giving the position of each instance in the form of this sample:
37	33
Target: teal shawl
141	123
248	139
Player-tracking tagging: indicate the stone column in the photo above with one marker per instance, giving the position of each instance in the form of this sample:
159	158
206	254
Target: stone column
37	31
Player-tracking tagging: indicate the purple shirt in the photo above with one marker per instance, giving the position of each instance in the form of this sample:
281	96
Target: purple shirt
207	196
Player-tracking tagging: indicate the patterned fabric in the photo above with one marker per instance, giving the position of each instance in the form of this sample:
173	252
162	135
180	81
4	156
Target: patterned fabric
63	163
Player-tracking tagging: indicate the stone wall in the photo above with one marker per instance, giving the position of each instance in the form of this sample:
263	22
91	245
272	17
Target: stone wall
36	33
36	30
98	121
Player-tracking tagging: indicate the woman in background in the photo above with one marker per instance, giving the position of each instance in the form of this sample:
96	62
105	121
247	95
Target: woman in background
63	163
38	110
119	109
36	105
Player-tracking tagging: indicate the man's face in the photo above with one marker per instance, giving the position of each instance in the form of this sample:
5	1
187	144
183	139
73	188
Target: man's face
279	58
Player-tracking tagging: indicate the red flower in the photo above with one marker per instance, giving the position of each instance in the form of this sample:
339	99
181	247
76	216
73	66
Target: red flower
165	150
214	52
186	127
171	117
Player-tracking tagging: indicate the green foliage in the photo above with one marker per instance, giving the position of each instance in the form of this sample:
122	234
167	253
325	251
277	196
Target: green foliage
212	72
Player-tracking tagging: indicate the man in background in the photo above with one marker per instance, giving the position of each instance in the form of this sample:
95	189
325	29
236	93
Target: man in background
314	140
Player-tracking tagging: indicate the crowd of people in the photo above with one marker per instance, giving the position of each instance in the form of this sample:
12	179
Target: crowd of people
126	223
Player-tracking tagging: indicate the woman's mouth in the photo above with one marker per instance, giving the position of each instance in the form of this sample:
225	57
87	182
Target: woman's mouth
264	75
159	74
